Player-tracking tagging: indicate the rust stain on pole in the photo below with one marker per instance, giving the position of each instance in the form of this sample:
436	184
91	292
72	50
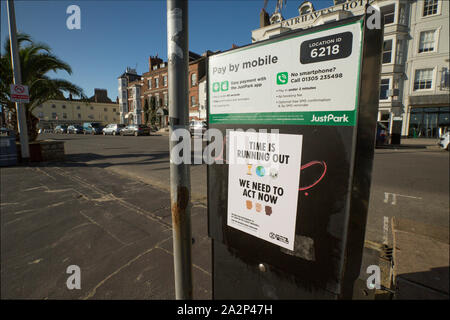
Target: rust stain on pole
180	205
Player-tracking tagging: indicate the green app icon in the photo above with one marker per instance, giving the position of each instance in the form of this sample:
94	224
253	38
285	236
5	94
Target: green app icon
216	86
282	78
224	86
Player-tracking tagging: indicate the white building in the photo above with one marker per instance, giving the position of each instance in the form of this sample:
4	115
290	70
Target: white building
128	76
414	77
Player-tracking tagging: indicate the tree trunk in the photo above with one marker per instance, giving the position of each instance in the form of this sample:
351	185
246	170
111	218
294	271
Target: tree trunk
32	123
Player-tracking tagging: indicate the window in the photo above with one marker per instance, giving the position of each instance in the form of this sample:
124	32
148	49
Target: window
149	83
64	115
192	101
387	51
193	79
388	12
165	81
105	109
384	88
165	98
400	51
92	108
445	78
53	106
78	107
402	15
40	115
423	79
430	7
79	116
156	82
90	116
114	109
63	106
54	115
157	101
106	118
426	42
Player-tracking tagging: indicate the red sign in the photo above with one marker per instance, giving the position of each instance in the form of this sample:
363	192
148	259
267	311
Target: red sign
19	93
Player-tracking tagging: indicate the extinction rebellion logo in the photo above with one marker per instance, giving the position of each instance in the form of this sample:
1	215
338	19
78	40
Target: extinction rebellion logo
278	237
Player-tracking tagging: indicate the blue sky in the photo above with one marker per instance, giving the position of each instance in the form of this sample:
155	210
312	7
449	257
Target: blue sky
121	33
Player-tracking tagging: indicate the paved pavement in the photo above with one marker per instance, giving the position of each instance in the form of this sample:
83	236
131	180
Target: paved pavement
107	210
117	230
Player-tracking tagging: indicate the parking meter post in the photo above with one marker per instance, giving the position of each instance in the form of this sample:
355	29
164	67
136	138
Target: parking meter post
363	158
20	110
178	61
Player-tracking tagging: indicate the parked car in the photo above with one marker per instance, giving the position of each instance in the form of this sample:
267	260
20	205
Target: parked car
75	129
382	134
92	128
60	129
136	130
444	141
113	128
197	127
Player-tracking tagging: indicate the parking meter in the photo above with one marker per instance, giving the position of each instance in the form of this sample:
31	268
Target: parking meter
287	209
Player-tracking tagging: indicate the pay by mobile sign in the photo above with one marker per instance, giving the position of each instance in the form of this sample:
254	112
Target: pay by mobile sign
302	80
310	79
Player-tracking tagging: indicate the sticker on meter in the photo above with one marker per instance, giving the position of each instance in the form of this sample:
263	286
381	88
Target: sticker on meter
337	46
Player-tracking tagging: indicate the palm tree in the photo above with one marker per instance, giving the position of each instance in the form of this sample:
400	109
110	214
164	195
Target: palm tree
36	60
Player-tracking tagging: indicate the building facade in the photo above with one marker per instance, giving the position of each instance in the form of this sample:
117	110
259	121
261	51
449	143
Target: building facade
427	84
151	90
414	77
71	111
130	75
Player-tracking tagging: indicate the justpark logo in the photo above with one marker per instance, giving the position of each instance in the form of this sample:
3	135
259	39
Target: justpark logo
330	118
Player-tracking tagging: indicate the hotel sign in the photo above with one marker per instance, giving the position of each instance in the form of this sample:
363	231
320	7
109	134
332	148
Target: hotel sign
309	17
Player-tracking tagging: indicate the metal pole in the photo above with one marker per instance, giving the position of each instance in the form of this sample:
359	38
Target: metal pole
20	110
178	61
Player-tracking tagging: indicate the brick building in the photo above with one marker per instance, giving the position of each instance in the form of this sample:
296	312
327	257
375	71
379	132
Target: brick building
153	86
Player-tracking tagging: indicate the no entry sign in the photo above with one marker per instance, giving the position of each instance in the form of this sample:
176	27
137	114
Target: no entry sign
19	93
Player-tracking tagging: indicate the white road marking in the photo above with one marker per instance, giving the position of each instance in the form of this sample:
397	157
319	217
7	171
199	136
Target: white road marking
394	197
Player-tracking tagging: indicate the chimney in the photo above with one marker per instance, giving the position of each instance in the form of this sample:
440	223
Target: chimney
153	61
264	19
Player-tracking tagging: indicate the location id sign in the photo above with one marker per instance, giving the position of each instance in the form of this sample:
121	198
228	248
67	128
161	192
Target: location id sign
307	79
263	182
